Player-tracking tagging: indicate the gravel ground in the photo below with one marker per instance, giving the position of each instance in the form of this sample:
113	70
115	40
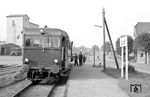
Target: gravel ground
9	60
13	89
59	91
88	81
9	78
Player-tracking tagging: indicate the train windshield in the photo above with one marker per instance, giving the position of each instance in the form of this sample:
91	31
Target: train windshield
38	41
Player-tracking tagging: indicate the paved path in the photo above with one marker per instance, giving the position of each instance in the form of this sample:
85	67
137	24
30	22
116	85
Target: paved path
88	81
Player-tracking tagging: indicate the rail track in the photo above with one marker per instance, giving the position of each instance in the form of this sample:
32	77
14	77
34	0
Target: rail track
41	89
44	90
9	69
33	90
2	67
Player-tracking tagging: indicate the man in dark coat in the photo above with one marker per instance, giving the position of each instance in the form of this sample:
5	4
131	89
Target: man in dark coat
75	60
80	59
84	58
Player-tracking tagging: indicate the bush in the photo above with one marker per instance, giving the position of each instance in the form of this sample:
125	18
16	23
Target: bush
131	68
131	58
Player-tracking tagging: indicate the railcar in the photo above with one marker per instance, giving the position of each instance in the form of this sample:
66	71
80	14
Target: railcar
47	51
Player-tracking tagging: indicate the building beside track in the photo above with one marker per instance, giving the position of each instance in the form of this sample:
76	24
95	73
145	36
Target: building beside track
10	49
15	27
139	28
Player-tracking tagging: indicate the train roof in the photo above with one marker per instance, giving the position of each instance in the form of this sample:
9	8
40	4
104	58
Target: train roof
47	31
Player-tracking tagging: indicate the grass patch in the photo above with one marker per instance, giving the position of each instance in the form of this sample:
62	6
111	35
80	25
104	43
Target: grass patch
134	78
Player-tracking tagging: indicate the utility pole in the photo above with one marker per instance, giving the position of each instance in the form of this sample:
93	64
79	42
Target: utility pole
103	18
71	51
94	56
111	44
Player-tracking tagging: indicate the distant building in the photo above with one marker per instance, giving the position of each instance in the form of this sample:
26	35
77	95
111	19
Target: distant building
15	26
5	48
139	28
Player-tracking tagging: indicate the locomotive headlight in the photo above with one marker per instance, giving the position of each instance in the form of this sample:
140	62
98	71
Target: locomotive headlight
56	60
26	60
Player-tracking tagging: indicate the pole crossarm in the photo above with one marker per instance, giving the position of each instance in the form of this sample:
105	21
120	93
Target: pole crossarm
111	43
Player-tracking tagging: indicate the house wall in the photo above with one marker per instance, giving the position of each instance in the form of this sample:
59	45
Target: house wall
15	26
139	28
142	27
140	57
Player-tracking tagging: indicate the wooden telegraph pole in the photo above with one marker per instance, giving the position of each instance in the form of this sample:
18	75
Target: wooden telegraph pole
94	56
103	18
111	44
71	51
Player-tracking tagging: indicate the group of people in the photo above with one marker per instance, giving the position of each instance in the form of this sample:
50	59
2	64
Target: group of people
81	58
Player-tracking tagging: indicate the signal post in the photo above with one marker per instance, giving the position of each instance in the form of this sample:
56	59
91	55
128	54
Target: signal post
124	44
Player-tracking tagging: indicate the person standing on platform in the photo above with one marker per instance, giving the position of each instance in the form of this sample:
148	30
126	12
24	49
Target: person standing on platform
80	59
76	60
84	58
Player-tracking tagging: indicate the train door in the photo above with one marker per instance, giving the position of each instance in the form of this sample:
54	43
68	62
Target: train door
66	56
63	52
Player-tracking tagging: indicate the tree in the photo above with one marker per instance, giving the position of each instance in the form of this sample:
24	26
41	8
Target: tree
142	42
96	47
108	47
130	44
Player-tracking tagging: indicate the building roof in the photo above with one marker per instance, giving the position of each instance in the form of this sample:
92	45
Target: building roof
141	27
18	15
10	45
22	15
142	24
34	24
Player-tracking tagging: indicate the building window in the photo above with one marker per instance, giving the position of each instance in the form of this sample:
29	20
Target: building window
28	41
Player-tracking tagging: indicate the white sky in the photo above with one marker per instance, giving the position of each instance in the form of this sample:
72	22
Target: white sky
78	17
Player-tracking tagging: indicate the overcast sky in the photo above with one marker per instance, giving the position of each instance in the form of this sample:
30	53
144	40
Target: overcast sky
78	17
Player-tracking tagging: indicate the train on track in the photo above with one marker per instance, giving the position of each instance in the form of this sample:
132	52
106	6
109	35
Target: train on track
47	51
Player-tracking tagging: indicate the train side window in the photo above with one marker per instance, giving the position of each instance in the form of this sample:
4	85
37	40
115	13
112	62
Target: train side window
37	41
47	41
56	42
28	41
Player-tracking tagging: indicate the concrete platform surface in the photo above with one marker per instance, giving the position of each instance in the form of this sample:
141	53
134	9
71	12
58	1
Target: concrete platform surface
88	81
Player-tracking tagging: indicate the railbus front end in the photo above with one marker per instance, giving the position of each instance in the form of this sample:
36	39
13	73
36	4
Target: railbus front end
46	52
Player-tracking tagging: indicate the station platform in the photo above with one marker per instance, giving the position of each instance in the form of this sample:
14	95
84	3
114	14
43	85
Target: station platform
89	81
